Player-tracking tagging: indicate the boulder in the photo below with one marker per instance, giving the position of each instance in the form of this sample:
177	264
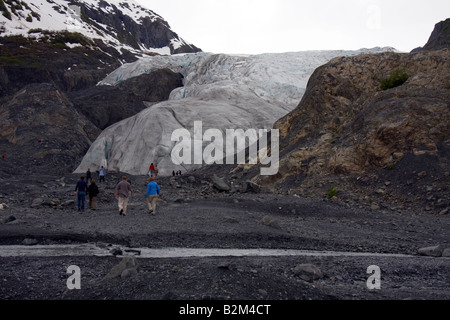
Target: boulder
125	264
433	251
29	242
268	221
308	272
251	186
129	273
7	219
220	184
446	253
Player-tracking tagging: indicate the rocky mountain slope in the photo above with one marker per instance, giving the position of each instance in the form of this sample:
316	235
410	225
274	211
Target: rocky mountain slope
123	25
371	129
52	56
440	37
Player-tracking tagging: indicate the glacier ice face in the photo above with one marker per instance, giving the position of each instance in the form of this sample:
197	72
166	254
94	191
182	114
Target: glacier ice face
222	91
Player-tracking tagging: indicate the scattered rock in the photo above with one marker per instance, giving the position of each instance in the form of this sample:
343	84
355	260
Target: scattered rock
230	220
434	251
68	203
422	174
220	184
119	269
134	251
308	272
7	219
446	253
116	251
29	242
225	265
37	203
251	186
262	292
445	211
3	206
268	221
129	273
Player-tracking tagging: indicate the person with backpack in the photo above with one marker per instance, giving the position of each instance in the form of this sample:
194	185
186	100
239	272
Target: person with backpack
153	191
93	192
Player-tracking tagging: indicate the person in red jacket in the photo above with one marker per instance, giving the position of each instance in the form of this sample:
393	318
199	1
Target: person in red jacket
151	170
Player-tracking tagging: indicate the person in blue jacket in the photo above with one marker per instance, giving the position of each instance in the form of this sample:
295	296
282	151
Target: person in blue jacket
152	194
80	190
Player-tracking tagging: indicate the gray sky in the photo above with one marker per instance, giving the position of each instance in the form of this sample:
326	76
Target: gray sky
268	26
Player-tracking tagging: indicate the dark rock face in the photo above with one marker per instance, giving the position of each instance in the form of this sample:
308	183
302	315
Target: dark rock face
42	131
440	37
346	115
24	61
148	32
370	144
106	105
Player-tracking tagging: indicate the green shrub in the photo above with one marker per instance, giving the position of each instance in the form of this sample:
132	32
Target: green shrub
332	192
8	61
397	78
447	86
35	30
69	37
390	166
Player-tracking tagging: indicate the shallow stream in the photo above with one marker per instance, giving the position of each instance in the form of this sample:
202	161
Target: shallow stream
91	249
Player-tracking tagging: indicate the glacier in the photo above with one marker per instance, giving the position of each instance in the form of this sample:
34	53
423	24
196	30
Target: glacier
220	90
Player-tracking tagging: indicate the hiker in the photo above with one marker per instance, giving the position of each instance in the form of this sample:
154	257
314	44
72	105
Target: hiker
88	176
152	194
156	170
102	174
151	169
93	192
123	190
173	173
80	190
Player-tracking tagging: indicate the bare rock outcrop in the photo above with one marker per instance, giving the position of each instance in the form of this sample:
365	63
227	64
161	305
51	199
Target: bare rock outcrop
439	38
41	131
363	116
115	103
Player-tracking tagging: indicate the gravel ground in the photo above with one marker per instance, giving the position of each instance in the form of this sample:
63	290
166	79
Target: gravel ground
194	215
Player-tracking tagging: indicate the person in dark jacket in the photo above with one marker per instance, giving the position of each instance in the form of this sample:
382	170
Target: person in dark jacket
88	176
80	190
93	192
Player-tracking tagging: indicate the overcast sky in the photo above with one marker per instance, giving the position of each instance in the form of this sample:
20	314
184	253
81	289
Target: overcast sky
269	26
